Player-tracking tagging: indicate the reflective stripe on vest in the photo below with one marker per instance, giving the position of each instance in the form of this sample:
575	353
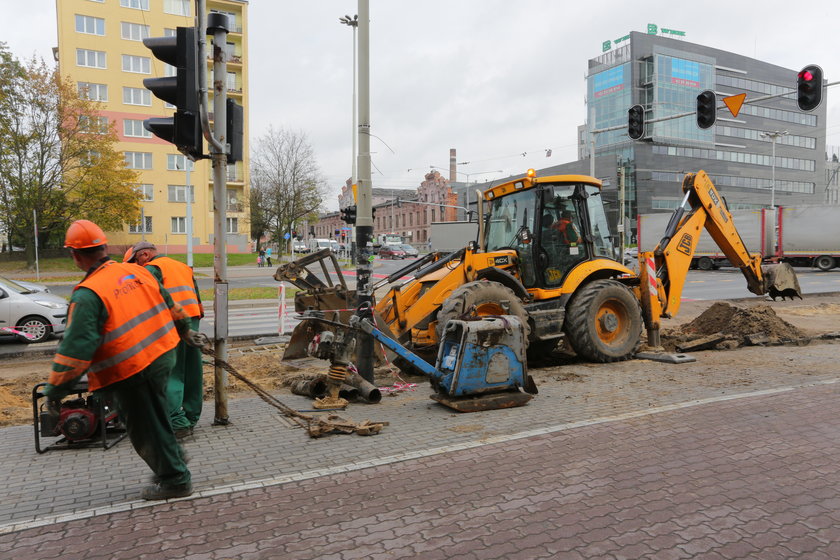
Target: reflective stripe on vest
178	281
139	328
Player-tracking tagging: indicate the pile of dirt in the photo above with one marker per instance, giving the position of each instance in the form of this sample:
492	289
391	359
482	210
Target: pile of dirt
742	321
726	326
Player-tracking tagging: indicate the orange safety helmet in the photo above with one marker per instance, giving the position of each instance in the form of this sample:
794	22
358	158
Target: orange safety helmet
83	234
129	254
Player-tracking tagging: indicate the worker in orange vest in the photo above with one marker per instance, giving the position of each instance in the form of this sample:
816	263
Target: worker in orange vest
122	330
185	388
566	227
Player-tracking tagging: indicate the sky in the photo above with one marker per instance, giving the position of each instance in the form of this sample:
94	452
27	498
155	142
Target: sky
501	81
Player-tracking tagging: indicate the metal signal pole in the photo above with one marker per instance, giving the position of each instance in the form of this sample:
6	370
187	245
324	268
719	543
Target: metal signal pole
364	213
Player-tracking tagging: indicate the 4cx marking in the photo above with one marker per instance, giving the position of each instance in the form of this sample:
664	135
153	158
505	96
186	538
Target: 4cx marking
684	246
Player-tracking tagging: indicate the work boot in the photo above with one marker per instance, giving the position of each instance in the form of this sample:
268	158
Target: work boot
159	491
181	433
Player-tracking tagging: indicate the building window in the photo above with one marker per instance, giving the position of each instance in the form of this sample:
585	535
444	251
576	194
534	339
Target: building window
134	31
90	59
90	25
135	4
178	193
179	225
231	81
137	96
94	92
146	191
143	226
177	7
169	32
178	162
138	160
136	64
135	129
93	125
169	71
232	225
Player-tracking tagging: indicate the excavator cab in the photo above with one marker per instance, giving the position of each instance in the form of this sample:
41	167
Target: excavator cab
553	227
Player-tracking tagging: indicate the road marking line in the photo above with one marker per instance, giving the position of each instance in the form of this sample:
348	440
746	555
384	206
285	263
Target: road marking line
419	454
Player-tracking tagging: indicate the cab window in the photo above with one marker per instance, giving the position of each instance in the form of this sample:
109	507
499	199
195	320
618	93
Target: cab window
509	217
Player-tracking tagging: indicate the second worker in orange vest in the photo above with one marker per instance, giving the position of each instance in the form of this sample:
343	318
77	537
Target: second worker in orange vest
185	389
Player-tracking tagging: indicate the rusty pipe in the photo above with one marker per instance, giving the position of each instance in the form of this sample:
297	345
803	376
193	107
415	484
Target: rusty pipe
366	389
315	387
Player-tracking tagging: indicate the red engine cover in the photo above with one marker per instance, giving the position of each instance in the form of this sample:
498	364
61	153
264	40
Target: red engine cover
77	424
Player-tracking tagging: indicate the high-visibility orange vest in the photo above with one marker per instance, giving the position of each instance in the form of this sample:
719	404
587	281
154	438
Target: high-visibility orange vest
139	328
178	281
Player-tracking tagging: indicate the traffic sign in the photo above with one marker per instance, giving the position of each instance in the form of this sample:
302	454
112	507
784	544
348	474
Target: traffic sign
286	235
734	103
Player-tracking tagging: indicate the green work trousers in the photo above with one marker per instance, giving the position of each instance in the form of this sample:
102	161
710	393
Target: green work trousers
141	403
185	388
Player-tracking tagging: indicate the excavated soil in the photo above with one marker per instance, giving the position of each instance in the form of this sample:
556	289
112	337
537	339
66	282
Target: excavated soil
739	325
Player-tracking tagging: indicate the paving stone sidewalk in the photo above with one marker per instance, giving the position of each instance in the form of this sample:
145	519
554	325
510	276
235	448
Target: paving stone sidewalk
753	477
260	451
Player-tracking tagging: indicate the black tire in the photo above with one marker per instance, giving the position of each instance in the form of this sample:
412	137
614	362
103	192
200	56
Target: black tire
824	262
705	263
37	327
482	297
539	350
604	322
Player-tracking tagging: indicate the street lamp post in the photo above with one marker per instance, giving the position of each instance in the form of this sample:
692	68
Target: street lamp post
773	136
353	23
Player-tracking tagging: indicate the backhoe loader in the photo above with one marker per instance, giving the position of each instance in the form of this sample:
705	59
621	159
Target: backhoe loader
544	254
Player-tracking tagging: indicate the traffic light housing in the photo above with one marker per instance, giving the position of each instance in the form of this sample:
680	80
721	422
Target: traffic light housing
234	126
183	128
348	214
809	87
706	109
636	122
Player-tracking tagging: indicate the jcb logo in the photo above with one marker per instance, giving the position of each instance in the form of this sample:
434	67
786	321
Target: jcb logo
684	246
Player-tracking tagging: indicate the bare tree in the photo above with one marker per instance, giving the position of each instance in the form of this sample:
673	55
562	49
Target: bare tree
287	179
58	159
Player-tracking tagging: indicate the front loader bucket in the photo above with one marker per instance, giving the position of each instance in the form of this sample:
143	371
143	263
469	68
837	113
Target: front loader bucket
304	333
781	280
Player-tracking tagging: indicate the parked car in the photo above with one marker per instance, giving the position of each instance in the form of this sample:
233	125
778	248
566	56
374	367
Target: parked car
391	252
410	250
300	247
34	315
31	286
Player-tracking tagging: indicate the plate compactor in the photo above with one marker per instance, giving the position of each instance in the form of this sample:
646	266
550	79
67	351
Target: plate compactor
481	363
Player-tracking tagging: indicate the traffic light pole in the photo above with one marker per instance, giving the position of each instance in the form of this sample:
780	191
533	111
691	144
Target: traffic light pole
364	216
217	24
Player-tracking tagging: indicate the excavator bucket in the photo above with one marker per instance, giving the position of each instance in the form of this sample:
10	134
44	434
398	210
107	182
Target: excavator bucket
309	327
780	281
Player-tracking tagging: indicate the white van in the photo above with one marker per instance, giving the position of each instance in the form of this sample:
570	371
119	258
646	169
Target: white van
318	244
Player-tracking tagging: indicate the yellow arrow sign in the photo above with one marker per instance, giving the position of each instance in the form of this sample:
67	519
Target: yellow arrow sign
734	103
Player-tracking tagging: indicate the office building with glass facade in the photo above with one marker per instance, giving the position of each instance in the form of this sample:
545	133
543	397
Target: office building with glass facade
665	75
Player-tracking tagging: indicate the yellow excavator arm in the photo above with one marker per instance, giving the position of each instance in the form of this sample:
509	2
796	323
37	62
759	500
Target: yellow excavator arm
663	271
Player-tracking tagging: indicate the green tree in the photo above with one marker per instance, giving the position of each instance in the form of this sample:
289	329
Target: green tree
59	160
287	179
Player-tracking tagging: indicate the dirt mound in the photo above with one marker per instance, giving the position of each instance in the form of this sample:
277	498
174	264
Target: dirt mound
742	321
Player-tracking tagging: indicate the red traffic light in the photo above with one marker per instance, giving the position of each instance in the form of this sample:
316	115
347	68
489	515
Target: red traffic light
806	75
809	85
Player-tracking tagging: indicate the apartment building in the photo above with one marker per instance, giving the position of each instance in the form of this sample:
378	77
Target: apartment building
100	47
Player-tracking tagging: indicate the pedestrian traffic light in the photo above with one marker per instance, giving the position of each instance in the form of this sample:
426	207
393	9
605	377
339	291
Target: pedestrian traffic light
184	128
636	122
348	214
706	109
809	86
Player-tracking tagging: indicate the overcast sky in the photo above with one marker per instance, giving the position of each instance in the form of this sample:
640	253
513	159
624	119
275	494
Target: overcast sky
494	79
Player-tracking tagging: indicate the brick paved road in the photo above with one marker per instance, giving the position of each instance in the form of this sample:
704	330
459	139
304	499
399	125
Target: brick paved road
753	477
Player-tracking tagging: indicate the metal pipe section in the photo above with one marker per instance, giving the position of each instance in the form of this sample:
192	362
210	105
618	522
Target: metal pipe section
364	207
480	199
219	156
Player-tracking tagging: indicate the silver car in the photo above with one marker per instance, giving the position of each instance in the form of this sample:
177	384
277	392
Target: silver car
31	316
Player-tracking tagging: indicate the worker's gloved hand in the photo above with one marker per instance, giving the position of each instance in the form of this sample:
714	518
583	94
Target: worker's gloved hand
54	407
196	339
